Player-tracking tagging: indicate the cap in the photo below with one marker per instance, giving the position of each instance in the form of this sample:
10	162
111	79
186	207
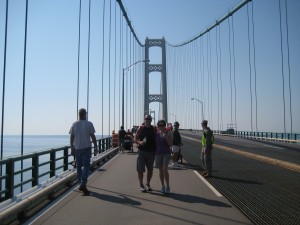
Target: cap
204	122
176	124
82	111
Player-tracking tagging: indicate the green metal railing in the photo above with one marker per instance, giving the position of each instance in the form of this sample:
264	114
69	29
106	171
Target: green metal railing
38	165
294	138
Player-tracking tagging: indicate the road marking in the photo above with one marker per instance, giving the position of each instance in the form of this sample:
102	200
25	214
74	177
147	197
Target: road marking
218	194
271	146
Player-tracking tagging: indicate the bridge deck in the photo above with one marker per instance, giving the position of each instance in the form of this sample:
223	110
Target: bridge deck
115	199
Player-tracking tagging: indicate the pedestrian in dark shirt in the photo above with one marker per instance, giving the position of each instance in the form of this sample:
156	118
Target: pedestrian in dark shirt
145	140
122	134
176	144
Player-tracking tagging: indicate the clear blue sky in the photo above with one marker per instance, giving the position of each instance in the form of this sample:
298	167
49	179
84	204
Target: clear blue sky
51	68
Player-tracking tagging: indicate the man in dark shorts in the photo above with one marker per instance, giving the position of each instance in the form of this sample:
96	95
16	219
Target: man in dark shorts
145	139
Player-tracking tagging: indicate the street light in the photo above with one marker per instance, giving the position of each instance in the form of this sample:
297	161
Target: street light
127	69
201	106
173	115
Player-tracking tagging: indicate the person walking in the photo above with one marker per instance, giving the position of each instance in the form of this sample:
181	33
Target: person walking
80	133
122	134
164	140
207	141
145	140
176	144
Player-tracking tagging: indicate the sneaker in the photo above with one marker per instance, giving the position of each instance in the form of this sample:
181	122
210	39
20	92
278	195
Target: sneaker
167	190
142	188
204	173
148	188
84	190
162	190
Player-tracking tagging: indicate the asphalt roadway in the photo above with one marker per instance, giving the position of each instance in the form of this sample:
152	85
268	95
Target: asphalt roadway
254	182
261	178
115	199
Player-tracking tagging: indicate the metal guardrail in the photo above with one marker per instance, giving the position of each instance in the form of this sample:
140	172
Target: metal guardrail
38	165
268	136
20	207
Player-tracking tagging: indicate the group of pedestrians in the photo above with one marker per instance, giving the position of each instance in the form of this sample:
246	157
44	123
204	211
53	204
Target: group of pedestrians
154	145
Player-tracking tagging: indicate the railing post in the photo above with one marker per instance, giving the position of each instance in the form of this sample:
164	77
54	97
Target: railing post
110	141
10	181
66	158
99	146
35	170
52	163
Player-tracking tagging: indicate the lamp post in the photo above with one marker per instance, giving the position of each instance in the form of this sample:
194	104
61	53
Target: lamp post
127	69
173	115
201	106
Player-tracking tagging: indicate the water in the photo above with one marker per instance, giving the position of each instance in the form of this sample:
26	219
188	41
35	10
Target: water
34	143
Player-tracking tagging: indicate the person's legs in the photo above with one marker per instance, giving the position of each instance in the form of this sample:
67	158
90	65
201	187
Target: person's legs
78	158
149	161
140	166
86	159
203	160
208	162
166	159
141	177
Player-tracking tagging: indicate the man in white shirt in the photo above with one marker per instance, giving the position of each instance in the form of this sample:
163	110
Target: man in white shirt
81	132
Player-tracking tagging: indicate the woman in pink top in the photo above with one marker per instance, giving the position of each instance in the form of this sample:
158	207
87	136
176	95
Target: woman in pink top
164	140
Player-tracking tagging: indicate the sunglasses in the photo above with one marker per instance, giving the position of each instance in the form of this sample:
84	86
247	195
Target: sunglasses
161	125
148	119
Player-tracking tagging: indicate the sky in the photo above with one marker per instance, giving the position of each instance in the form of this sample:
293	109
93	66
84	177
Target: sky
52	48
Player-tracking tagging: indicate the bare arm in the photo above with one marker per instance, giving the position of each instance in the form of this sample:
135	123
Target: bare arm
170	138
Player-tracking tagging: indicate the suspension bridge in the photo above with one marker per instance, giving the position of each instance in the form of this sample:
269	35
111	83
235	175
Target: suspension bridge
240	72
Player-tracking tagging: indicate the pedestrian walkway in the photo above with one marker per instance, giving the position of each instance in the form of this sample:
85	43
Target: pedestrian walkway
115	199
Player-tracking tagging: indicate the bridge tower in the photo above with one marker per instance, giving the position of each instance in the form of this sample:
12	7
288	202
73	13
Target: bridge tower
159	97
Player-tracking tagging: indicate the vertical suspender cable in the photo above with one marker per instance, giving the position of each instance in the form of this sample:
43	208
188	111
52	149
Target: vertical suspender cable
210	78
109	47
221	86
282	71
250	67
130	76
23	95
3	87
102	76
218	91
78	58
120	66
230	70
208	87
115	67
88	78
234	83
254	64
289	66
127	63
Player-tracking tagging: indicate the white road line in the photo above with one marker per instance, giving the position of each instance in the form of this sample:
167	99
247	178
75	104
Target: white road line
271	146
218	194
